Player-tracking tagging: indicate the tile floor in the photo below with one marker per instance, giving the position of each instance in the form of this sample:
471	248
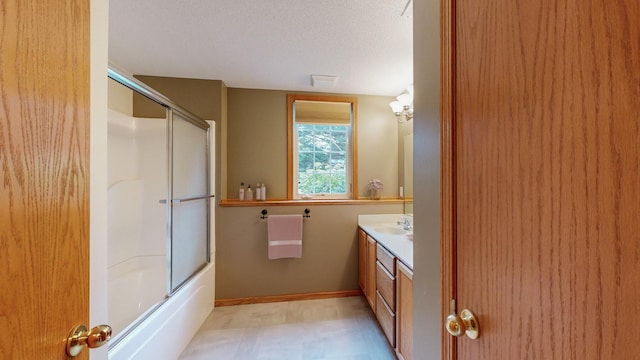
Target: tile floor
328	329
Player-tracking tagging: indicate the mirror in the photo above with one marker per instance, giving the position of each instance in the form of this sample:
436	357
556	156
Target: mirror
408	173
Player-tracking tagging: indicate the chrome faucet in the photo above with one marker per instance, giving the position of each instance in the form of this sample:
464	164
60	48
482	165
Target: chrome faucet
406	224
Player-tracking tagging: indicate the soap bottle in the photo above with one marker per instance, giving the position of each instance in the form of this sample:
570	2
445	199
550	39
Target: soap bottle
263	192
241	192
249	194
258	192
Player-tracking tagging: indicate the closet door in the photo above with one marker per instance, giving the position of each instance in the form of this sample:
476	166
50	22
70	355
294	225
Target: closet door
189	249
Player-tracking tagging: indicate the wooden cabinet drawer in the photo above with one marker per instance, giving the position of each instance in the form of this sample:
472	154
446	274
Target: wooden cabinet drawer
387	259
387	319
386	285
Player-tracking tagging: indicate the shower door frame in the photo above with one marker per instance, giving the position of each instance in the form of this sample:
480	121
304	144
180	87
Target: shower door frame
126	79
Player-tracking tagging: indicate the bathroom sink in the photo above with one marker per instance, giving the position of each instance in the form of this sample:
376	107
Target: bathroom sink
391	230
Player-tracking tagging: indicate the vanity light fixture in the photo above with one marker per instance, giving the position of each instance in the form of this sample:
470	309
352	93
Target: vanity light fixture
403	107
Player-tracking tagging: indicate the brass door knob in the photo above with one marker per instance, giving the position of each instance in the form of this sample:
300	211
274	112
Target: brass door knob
454	325
81	337
466	324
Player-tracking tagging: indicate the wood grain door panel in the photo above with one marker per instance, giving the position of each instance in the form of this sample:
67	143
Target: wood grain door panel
546	115
44	176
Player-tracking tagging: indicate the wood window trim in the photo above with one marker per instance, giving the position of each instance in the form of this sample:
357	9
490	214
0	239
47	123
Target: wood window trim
291	98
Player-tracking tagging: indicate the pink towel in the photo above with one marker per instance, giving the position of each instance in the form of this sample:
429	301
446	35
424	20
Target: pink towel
285	236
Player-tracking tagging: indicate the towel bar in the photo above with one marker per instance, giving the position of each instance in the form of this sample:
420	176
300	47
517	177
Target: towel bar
265	213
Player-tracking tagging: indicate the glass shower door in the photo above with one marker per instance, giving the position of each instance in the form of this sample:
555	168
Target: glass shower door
189	244
137	221
158	205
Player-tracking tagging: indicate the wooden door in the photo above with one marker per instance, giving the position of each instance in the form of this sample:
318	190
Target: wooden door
44	176
541	176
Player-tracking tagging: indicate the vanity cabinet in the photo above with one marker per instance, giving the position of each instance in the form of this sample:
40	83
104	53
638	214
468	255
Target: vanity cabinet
386	291
388	286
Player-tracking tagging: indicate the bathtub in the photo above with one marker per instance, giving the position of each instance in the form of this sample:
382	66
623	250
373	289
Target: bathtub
170	324
136	286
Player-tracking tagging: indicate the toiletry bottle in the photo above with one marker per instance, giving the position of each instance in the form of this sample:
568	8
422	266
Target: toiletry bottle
258	192
263	193
241	192
249	194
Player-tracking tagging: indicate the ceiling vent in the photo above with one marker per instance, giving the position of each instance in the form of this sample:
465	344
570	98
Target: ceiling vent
323	81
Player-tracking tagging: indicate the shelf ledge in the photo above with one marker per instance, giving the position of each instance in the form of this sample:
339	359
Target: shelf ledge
285	202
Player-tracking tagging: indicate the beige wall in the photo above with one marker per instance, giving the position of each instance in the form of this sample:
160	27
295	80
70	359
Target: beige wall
204	98
257	142
377	144
251	146
329	258
257	152
426	251
201	97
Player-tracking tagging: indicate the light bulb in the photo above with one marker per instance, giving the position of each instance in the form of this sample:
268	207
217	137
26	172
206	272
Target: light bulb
405	99
396	107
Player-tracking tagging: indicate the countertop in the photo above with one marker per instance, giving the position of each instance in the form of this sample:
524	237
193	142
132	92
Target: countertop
385	229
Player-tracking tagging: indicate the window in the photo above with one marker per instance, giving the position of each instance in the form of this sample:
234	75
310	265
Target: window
321	143
322	159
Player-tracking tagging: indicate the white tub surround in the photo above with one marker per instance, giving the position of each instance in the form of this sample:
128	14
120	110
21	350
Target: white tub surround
386	230
161	283
170	328
135	286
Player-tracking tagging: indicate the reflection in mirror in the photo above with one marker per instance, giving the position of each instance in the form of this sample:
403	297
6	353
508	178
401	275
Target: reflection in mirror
321	141
408	173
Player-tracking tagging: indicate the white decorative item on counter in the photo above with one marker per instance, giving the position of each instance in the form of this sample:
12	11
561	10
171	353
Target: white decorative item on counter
375	187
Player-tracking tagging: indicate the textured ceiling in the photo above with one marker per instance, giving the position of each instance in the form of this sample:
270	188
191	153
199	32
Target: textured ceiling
275	44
